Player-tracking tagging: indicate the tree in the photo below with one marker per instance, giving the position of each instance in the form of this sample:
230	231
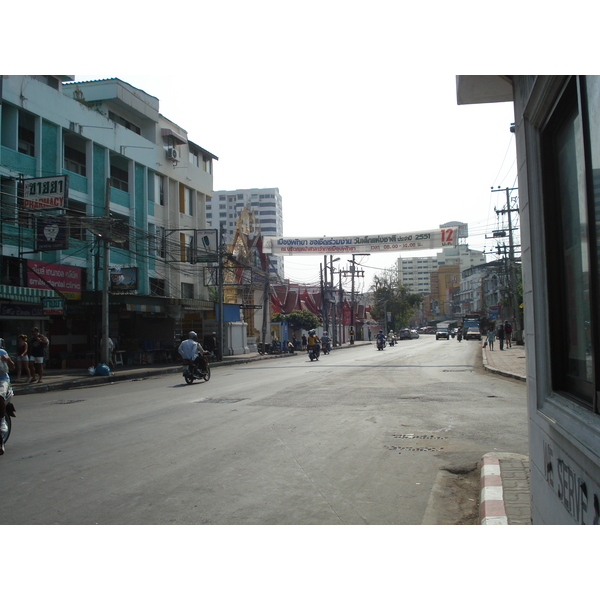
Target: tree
298	319
392	297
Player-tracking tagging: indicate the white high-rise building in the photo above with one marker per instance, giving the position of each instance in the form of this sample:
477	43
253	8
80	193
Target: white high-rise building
225	206
414	272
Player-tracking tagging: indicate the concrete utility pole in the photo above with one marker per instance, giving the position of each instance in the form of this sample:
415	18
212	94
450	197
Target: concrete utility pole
512	279
353	273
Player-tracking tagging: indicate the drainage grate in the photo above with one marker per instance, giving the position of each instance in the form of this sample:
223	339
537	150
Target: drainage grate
409	449
412	436
63	401
220	400
416	438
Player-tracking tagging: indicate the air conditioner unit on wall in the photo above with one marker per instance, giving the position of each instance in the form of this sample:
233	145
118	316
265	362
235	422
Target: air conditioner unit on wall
173	154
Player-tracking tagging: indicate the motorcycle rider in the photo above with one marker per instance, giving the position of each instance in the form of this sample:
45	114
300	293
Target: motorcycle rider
381	338
326	342
192	350
6	363
313	341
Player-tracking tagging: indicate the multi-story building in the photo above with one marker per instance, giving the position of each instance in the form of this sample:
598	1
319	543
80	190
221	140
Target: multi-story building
125	174
223	209
558	155
415	272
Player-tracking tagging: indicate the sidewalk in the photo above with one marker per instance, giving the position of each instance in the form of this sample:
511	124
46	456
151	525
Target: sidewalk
505	488
509	362
65	379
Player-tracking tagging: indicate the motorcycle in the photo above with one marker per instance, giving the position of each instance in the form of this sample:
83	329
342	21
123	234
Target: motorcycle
192	373
326	347
313	352
380	344
10	411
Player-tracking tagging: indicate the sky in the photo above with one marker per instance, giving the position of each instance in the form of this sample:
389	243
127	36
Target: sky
350	111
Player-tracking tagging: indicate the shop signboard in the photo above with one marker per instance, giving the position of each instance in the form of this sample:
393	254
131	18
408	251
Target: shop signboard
65	279
54	306
42	193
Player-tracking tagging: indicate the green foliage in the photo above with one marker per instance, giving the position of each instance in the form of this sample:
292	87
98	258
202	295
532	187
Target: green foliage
392	297
298	319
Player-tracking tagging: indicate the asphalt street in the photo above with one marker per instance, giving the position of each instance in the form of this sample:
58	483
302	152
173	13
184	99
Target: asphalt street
359	437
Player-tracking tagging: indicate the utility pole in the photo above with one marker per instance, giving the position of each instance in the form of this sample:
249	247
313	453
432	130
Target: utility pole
221	261
512	280
353	272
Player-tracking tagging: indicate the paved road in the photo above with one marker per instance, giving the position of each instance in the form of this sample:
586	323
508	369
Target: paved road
359	437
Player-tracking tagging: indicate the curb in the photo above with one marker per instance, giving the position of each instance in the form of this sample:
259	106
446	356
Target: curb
94	380
491	507
498	371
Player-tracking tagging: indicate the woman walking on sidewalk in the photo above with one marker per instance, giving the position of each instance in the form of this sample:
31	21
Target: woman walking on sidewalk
491	334
23	359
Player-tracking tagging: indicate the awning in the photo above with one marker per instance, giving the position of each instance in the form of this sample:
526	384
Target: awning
193	303
179	139
147	308
25	294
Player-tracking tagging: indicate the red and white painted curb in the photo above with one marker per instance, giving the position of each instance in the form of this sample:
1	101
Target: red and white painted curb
491	506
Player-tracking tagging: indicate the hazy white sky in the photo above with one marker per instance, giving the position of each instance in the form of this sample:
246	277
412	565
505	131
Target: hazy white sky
348	108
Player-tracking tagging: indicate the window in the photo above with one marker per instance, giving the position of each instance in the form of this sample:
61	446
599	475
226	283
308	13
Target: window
186	204
159	189
570	159
26	143
157	287
124	122
74	160
194	159
119	178
160	242
76	210
187	291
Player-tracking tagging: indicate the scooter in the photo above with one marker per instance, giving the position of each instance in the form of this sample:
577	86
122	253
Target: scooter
313	352
380	344
326	347
192	373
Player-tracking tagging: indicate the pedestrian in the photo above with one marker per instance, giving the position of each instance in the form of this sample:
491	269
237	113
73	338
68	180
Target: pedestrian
491	334
304	341
508	334
23	359
37	348
501	336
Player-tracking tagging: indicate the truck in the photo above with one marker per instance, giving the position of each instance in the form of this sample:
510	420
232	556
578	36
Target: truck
470	327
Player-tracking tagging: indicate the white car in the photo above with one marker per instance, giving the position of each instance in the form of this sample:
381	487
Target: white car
413	334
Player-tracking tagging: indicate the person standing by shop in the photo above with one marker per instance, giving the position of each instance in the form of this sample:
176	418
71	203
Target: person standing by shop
37	347
23	359
501	336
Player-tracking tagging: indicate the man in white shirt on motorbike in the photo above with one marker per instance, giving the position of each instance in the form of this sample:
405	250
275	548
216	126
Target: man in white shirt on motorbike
192	350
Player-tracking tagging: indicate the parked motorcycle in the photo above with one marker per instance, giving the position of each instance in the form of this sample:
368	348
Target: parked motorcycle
192	373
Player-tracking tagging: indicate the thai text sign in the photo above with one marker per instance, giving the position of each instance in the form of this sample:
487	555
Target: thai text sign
393	242
45	192
64	278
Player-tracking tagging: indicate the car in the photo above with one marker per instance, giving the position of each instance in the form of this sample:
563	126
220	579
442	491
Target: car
405	334
414	334
442	333
473	333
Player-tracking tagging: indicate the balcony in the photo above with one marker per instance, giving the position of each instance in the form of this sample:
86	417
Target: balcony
17	161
